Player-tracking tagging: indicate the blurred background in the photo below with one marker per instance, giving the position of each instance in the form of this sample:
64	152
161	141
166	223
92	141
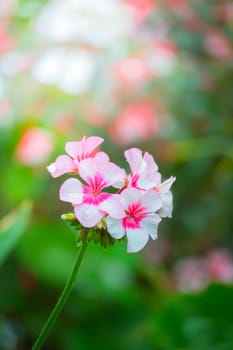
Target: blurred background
147	73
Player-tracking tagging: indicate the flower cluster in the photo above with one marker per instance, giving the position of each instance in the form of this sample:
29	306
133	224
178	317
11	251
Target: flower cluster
136	207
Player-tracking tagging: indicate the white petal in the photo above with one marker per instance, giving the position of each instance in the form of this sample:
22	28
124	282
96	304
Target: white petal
166	185
137	239
134	158
112	173
88	215
71	191
100	158
115	228
150	225
151	200
167	205
87	169
130	195
113	207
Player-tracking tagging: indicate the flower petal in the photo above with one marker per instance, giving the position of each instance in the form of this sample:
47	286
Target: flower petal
87	169
150	176
151	200
134	158
137	239
112	174
62	165
115	228
166	185
100	158
129	196
167	205
84	148
113	207
71	191
150	225
89	215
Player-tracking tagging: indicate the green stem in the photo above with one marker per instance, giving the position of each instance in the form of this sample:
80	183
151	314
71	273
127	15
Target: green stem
62	300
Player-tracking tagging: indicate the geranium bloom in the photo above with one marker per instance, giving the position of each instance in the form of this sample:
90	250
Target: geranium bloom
133	213
87	199
77	151
144	171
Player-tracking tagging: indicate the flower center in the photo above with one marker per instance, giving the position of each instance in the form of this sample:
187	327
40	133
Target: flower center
134	215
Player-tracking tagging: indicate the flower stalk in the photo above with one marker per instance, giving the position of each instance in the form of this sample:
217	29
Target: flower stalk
63	298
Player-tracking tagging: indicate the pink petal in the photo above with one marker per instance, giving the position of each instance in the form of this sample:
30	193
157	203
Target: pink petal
84	148
166	185
167	205
129	196
112	174
113	207
150	225
62	165
71	191
134	158
151	200
88	215
115	228
100	158
150	176
87	169
137	239
91	143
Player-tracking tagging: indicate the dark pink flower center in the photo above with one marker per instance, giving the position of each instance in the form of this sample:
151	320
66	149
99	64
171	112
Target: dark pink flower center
134	215
92	193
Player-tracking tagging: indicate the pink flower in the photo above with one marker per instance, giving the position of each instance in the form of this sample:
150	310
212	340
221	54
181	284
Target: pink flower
143	170
132	70
166	196
141	9
34	147
77	151
219	264
98	173
133	213
218	46
137	122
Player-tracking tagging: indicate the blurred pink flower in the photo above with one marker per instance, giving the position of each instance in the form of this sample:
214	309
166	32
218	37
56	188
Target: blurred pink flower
132	213
162	57
179	7
132	71
77	151
218	46
190	275
34	147
6	42
219	265
136	122
141	9
98	173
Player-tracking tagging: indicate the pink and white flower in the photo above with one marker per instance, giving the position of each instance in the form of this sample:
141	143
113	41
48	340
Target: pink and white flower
98	173
144	173
77	151
133	213
164	189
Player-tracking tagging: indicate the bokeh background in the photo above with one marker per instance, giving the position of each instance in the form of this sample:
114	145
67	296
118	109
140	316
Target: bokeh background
153	74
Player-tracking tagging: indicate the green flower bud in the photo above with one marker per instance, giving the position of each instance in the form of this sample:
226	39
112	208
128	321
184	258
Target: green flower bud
97	236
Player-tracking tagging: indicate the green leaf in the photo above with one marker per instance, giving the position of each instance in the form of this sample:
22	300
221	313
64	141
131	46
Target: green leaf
12	227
